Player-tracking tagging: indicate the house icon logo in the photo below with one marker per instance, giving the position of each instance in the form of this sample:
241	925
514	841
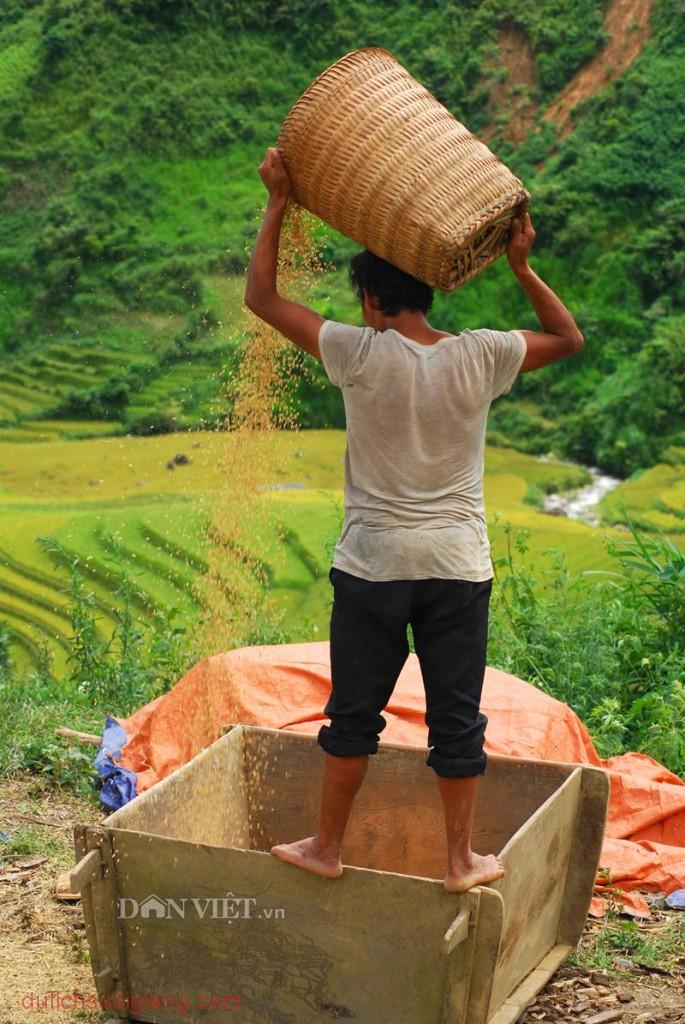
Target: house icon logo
153	906
149	908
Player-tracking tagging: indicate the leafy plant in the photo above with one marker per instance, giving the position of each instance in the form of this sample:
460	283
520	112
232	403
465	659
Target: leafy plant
644	946
608	644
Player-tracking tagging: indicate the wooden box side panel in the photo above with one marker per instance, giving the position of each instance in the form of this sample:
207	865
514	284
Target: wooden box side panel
309	951
509	794
486	946
204	801
585	855
533	890
397	819
99	902
515	1004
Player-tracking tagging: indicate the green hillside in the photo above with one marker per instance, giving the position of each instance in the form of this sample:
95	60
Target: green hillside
129	137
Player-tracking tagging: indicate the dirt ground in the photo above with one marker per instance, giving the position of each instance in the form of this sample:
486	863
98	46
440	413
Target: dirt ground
597	997
43	947
506	96
627	25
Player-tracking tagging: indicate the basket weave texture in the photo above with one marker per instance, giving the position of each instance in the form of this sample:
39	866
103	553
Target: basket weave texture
369	150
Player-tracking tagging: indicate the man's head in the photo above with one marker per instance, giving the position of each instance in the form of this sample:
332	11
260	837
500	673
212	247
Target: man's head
385	291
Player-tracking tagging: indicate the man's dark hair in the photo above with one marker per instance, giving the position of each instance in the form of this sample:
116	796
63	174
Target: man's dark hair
395	290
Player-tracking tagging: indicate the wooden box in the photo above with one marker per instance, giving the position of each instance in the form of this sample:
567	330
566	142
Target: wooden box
190	918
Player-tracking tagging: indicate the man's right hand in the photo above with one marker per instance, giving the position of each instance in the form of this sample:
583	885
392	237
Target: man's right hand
521	238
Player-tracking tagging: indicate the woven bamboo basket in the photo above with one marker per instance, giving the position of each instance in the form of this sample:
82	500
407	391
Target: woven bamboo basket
369	150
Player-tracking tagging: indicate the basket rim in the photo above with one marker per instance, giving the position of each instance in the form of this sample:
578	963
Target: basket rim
445	266
322	74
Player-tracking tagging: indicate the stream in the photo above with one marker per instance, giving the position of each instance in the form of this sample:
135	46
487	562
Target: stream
579	504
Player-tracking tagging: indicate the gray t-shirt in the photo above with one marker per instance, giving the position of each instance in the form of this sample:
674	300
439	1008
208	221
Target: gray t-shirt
416	417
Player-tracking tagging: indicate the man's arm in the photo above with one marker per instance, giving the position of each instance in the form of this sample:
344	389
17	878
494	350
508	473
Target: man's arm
562	336
297	322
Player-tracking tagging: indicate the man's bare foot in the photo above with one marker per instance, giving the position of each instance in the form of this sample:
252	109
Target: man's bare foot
305	854
478	871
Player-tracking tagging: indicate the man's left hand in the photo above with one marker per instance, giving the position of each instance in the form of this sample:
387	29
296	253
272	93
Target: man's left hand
274	175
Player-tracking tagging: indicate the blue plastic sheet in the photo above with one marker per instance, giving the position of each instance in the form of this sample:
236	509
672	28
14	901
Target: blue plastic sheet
676	900
117	784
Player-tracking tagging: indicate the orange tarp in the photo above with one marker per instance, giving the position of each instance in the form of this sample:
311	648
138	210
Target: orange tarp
287	686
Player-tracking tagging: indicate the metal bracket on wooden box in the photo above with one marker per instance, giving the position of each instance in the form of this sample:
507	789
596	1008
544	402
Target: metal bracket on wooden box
88	870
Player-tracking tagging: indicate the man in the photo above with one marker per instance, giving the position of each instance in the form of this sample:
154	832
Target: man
414	546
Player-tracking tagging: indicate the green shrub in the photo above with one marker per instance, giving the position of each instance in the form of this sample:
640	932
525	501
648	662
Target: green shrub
608	644
510	425
637	412
103	402
156	422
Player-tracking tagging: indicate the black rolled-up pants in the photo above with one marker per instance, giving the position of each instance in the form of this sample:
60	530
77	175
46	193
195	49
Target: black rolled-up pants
369	646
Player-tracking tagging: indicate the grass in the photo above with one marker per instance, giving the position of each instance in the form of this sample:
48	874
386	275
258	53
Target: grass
31	840
199	200
108	562
659	944
32	581
37	385
31	432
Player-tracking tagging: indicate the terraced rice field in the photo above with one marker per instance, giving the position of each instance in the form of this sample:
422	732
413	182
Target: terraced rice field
653	498
134	354
117	508
136	359
189	389
37	385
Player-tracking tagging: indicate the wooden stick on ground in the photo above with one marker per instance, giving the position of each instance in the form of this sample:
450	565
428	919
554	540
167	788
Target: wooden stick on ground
79	737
